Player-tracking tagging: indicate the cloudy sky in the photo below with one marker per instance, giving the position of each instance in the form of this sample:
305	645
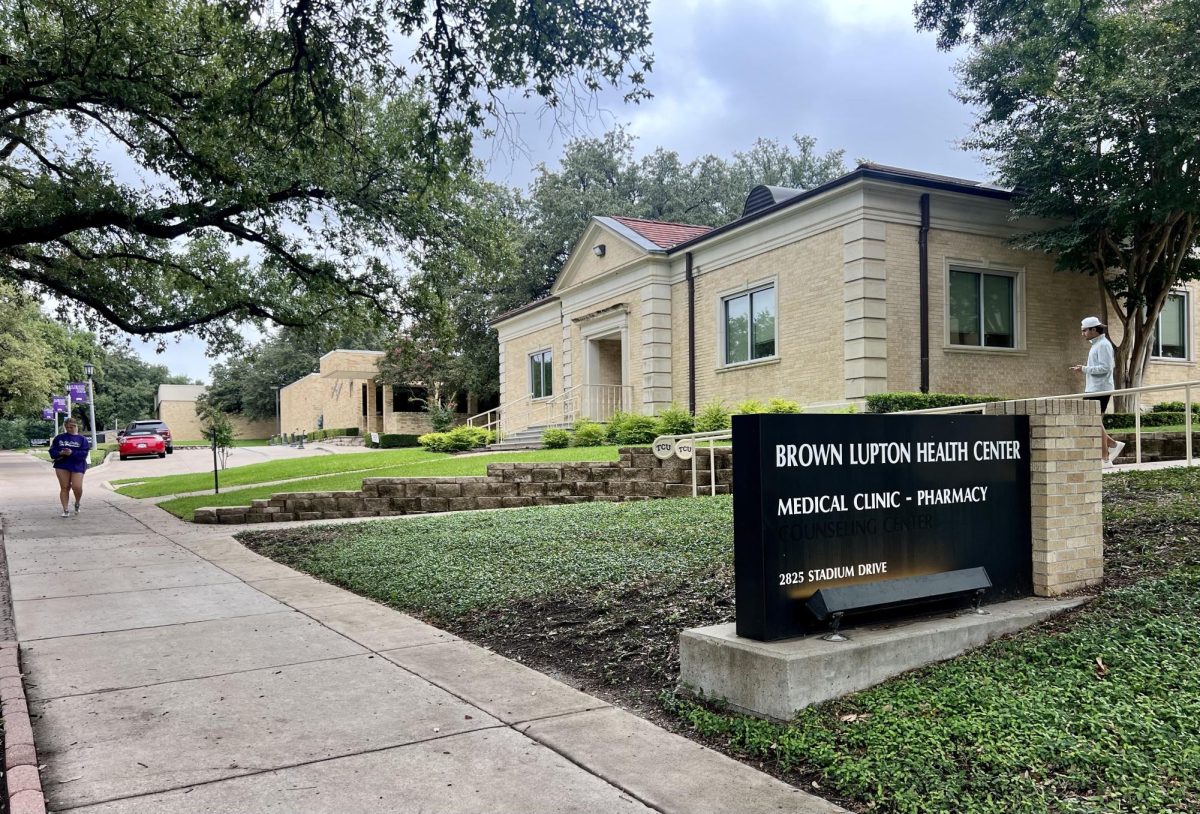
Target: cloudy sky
854	74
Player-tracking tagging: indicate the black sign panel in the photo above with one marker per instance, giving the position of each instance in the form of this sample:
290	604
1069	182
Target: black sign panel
823	501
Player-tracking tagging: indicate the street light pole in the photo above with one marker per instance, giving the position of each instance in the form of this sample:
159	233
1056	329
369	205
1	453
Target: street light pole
88	370
278	424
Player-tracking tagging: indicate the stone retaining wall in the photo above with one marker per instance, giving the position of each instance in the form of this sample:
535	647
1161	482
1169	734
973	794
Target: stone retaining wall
1157	446
636	475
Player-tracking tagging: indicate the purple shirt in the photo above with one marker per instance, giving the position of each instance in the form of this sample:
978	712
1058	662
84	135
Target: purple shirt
79	446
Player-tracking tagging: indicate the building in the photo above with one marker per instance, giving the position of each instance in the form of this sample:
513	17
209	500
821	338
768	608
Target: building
882	280
345	393
175	404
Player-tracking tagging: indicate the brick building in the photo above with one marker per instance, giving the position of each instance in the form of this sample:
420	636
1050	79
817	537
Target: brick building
175	404
814	296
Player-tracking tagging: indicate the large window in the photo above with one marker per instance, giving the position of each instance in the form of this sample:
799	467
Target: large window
541	375
982	309
1171	332
750	326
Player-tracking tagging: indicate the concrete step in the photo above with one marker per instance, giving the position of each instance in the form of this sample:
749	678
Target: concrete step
510	445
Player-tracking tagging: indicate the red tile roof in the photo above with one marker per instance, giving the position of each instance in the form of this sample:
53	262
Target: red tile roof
662	234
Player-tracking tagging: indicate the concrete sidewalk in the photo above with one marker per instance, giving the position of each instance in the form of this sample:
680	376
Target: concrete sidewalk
169	669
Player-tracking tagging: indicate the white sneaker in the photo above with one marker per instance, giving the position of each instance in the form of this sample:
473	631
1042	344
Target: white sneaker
1114	451
76	512
65	513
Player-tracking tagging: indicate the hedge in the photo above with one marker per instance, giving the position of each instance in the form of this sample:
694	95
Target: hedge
319	435
1174	407
1124	421
901	402
394	440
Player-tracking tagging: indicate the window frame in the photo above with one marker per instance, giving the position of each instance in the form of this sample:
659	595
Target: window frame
547	387
1186	320
723	300
1016	274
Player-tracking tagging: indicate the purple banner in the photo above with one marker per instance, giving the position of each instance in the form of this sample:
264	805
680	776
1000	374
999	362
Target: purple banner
58	404
48	414
78	392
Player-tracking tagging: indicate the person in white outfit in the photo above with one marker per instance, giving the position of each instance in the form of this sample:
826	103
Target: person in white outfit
1098	378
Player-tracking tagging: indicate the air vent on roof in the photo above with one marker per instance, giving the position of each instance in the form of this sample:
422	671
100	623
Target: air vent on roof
763	196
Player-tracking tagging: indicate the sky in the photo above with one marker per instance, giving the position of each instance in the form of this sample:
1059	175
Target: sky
853	74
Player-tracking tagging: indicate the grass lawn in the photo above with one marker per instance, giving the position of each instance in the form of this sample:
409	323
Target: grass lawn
1095	711
96	455
415	463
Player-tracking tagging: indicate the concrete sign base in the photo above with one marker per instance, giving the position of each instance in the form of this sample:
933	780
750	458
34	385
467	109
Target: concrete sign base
774	679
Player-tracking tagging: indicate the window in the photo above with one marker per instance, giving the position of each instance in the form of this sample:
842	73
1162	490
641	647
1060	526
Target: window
982	309
541	374
409	399
1171	334
750	326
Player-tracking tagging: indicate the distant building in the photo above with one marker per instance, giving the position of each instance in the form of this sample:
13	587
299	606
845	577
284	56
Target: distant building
175	404
345	393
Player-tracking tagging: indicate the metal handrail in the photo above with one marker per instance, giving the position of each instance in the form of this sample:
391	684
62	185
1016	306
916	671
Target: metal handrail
564	407
1137	413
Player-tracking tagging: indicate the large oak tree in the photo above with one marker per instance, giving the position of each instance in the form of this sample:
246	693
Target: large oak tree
1091	110
186	165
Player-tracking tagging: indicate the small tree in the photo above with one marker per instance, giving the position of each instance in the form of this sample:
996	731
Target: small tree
216	425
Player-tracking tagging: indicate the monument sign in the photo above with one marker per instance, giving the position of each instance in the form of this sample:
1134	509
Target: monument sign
827	501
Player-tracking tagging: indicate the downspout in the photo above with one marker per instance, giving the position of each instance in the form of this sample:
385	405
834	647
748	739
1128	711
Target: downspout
691	305
923	272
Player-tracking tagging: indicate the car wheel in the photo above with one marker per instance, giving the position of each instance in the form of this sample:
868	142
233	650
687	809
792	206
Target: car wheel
170	450
162	454
123	457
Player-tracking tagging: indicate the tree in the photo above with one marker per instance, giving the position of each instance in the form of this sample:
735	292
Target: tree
217	427
601	177
126	387
186	166
27	375
463	277
1090	110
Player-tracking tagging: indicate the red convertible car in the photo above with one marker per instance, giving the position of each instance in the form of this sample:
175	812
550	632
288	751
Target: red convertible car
142	442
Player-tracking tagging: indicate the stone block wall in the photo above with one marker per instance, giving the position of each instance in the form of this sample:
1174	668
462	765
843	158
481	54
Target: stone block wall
636	475
1065	492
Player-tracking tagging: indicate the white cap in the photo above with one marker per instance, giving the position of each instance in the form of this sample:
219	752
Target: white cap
1090	322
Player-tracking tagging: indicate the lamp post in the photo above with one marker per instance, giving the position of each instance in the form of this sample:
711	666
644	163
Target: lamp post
278	423
88	370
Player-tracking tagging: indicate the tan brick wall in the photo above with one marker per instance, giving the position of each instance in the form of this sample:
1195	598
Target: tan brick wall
406	423
302	401
1053	304
1168	372
520	412
809	349
1065	492
185	425
366	362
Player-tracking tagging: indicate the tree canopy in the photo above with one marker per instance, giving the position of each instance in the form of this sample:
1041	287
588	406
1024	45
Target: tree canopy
1091	110
187	165
601	176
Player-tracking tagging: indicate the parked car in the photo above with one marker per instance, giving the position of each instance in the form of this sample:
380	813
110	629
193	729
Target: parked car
155	425
141	442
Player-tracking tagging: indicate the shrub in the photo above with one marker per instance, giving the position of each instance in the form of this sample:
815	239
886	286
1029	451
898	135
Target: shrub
712	418
393	440
1174	407
613	429
555	438
440	418
463	438
1125	421
750	407
675	421
637	430
899	402
588	434
778	405
435	441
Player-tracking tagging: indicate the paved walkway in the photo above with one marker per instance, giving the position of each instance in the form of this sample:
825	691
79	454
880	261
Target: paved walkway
169	669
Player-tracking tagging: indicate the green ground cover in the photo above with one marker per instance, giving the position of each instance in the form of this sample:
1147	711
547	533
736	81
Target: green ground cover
96	455
1096	711
416	463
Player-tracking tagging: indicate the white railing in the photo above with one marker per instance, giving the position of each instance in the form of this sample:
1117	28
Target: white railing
1136	392
596	402
710	438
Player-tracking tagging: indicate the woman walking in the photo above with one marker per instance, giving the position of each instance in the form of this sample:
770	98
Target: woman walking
69	451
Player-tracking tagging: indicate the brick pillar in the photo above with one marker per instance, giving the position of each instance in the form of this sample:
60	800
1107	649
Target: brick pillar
1065	491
